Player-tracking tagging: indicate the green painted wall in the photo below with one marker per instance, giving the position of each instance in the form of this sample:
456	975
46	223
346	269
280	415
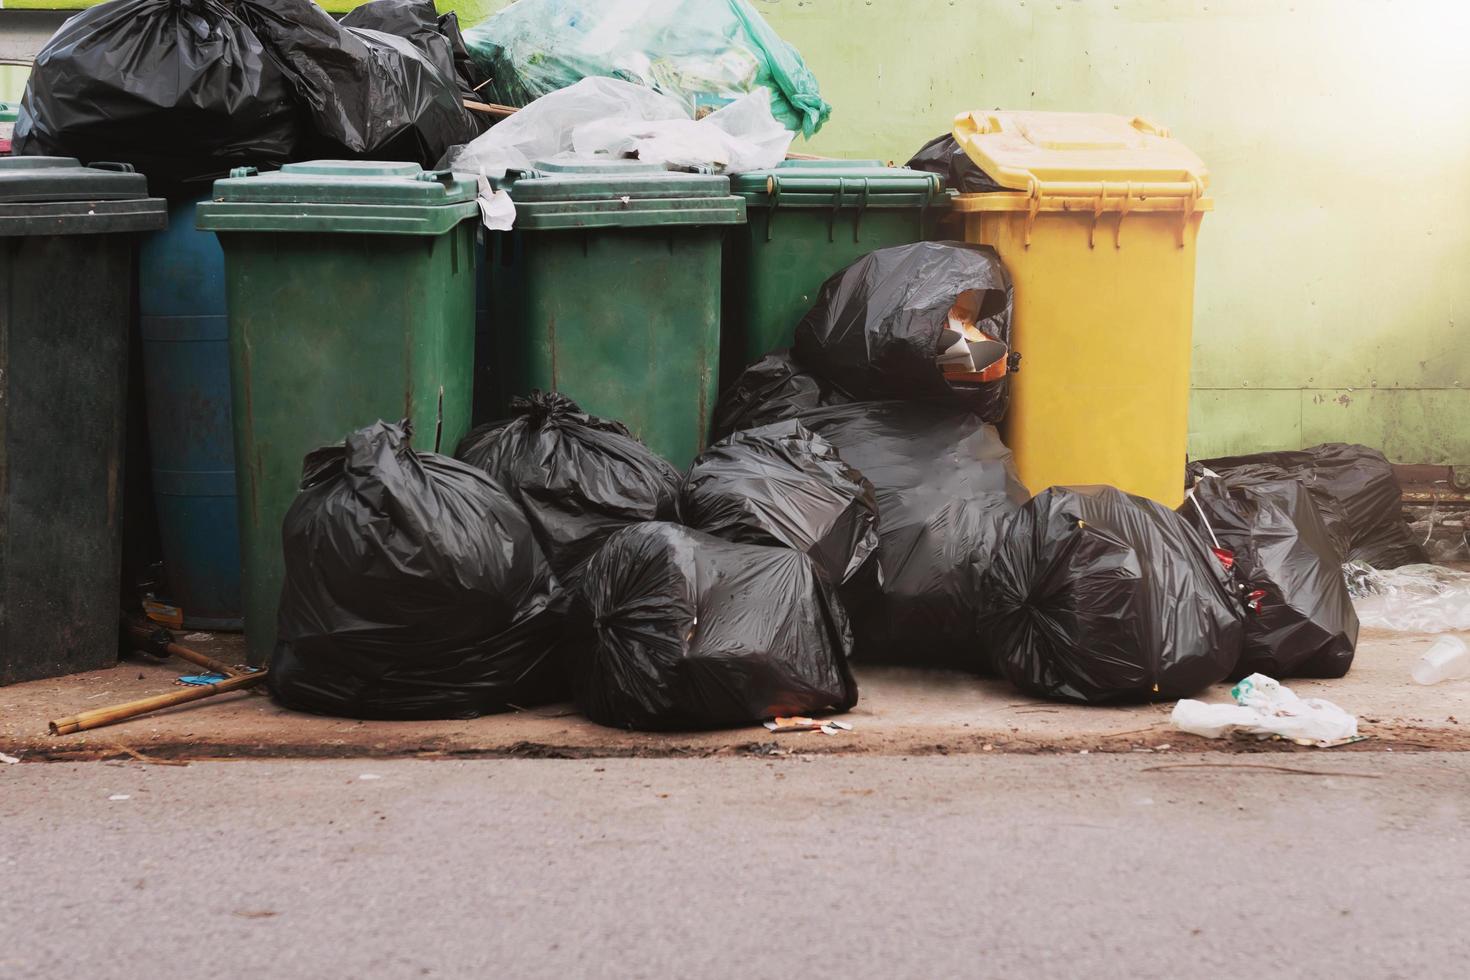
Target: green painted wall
1334	275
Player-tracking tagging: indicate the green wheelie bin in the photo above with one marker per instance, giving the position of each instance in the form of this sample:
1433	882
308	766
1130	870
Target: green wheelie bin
805	220
608	290
67	239
350	289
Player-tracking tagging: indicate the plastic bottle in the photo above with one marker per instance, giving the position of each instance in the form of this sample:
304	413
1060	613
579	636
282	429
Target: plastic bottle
1447	659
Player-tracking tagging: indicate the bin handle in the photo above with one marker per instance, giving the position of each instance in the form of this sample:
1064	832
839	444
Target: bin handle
1191	204
1123	209
837	202
1033	208
435	176
773	188
121	168
857	224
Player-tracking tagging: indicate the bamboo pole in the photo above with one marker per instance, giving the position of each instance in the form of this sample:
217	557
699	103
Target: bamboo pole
154	640
490	108
99	717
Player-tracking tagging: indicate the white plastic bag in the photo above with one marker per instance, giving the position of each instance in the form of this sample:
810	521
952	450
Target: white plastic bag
545	129
1263	706
740	137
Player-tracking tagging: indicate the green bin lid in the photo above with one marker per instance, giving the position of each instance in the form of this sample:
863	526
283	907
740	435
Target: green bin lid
343	196
618	194
838	183
9	111
59	196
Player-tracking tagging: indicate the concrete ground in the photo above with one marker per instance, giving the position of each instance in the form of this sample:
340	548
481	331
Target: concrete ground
900	712
1138	866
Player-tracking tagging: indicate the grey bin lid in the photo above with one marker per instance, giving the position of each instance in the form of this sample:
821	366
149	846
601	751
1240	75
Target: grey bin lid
59	196
31	179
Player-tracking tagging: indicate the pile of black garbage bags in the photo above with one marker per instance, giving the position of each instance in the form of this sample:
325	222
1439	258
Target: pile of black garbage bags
859	504
184	90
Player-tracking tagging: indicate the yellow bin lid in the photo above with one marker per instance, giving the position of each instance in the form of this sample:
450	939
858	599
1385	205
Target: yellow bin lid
1107	159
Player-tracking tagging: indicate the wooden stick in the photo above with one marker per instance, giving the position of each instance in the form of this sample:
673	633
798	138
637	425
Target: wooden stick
490	108
132	709
146	636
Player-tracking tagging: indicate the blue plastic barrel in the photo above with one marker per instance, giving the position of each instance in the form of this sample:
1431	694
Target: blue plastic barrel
186	379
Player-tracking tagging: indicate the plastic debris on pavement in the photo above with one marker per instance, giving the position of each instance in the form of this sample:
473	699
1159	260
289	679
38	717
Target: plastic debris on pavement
199	680
1411	598
800	724
8	760
1447	659
1265	707
703	54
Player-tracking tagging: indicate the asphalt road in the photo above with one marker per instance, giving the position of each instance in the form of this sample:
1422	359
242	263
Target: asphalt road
1148	865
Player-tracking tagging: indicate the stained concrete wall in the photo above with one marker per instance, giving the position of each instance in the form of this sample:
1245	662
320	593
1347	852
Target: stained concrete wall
1333	294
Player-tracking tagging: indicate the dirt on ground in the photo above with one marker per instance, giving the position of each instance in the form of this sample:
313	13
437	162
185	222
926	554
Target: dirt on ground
901	712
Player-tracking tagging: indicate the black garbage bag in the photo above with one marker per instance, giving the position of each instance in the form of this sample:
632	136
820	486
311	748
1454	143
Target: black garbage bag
774	388
414	589
879	326
943	156
782	485
944	483
181	89
1299	618
1097	596
438	37
368	93
1354	487
578	477
696	632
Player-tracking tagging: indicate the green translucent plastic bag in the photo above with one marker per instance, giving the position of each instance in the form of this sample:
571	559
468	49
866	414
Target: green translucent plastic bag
704	52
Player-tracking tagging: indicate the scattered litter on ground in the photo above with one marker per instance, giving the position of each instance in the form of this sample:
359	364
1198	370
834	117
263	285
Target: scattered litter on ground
1447	659
118	797
800	724
1411	599
8	760
369	776
199	680
1265	707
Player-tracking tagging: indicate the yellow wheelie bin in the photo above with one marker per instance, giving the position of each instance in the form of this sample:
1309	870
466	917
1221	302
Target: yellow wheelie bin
1097	226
